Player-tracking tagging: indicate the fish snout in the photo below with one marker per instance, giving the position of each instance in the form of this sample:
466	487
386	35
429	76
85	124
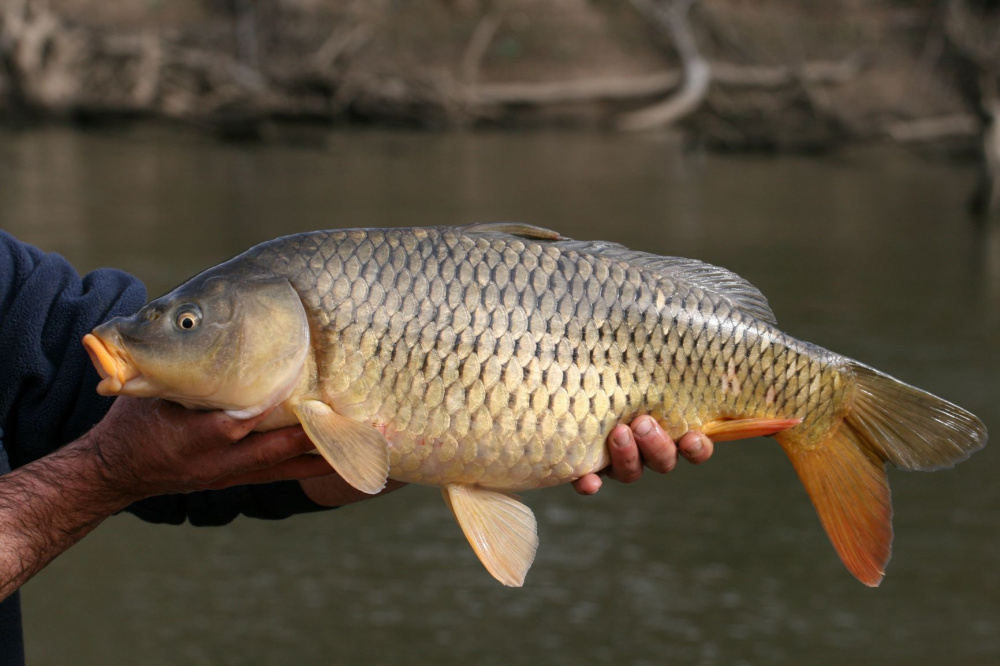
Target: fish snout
111	362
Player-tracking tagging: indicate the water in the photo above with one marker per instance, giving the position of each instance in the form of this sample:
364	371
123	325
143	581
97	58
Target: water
868	254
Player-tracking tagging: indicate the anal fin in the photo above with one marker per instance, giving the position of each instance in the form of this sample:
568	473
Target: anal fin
358	452
850	490
724	430
501	530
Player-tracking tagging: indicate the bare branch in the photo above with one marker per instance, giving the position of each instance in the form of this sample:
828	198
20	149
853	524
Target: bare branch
660	83
147	81
245	28
809	73
673	20
933	129
476	49
584	90
342	43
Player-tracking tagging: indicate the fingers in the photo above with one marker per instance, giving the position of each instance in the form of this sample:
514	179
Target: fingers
645	442
209	425
655	446
266	449
588	484
153	447
255	453
305	466
696	447
626	466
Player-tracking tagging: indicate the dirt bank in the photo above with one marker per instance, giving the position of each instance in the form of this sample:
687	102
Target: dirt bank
774	74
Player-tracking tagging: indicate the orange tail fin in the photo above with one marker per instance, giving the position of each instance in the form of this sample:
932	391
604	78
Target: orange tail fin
845	473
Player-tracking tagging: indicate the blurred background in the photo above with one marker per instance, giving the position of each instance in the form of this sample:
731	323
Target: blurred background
785	75
839	155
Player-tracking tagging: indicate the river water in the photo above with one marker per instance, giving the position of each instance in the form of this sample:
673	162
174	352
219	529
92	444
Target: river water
867	253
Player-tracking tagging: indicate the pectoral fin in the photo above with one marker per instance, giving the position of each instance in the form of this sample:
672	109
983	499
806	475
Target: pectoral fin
358	452
724	430
500	529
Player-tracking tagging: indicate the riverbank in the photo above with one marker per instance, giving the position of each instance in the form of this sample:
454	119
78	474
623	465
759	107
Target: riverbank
777	75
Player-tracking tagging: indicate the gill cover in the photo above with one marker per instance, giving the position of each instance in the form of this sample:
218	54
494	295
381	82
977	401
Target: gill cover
273	347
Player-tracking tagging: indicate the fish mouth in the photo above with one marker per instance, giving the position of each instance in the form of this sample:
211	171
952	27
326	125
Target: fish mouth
112	365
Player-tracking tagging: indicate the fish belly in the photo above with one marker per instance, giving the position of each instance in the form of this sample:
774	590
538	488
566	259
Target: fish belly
524	442
520	464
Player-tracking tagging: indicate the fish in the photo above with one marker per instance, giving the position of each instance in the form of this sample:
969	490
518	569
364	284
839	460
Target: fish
496	357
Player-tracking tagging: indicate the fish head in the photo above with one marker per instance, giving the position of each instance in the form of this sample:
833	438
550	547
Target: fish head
212	343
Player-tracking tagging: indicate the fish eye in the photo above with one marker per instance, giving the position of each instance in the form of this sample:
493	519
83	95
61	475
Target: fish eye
188	318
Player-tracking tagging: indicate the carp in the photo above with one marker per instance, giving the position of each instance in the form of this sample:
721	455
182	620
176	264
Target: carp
494	358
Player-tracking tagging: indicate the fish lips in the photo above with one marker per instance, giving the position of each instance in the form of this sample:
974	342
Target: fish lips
111	361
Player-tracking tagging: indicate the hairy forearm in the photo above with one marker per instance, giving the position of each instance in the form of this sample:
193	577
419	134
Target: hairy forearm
49	505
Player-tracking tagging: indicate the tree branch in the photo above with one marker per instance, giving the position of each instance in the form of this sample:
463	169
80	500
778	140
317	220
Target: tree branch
933	129
584	90
672	19
660	83
475	50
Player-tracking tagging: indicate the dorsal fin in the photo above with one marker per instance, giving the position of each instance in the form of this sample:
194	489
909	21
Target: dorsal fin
743	295
529	231
740	293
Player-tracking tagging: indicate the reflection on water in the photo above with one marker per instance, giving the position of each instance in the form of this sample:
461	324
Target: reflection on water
866	254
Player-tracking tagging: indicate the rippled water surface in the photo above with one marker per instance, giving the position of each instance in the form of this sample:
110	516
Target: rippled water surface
867	254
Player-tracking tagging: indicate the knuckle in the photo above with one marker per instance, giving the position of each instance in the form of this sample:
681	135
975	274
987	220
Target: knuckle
232	430
656	448
627	473
266	456
631	476
663	464
205	475
629	462
300	443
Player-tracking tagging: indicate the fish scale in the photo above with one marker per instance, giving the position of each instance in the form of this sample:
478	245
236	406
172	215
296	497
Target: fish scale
494	358
565	330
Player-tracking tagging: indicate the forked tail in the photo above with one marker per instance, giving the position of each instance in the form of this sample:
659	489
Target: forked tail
844	473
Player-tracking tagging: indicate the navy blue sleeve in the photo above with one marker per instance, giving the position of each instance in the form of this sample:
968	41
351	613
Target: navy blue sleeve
11	634
47	395
48	385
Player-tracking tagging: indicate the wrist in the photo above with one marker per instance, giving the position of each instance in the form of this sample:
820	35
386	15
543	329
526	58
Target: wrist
109	481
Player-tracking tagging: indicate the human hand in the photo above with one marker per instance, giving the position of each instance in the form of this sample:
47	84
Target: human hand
142	447
152	447
332	490
644	441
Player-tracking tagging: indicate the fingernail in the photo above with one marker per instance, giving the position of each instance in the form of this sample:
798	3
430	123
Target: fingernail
621	439
695	449
644	427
